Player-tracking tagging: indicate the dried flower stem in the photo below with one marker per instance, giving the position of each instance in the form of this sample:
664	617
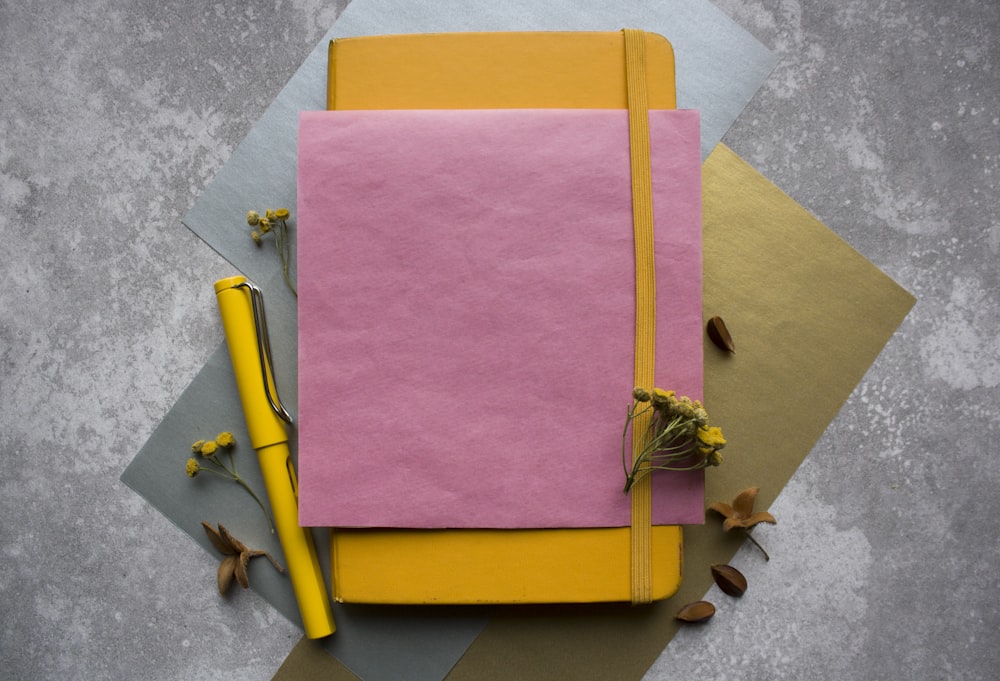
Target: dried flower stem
228	472
276	222
677	437
231	470
284	244
662	450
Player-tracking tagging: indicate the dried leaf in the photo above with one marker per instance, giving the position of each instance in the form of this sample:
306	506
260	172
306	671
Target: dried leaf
699	611
225	574
729	579
720	335
218	542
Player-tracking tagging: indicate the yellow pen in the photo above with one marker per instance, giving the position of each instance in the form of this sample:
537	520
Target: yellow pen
241	306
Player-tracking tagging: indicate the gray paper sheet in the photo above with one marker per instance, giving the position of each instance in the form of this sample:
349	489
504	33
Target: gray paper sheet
719	68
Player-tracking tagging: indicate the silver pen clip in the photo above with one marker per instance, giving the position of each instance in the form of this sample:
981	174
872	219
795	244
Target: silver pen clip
264	348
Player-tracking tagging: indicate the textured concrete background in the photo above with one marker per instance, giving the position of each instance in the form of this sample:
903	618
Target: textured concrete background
881	118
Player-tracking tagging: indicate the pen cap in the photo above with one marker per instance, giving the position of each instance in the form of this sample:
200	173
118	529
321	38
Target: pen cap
249	365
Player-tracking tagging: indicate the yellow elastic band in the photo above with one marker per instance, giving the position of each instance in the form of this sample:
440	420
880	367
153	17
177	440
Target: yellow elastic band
645	301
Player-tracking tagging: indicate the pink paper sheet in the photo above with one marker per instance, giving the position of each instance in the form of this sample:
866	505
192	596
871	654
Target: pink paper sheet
466	315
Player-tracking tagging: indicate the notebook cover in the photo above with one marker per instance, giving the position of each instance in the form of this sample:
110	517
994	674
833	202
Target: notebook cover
496	566
493	70
366	73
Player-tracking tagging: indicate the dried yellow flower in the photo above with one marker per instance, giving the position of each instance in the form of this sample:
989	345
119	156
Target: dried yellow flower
218	460
662	398
641	395
685	409
710	439
274	223
676	438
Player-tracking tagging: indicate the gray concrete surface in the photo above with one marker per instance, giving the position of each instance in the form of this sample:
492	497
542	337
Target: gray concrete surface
881	118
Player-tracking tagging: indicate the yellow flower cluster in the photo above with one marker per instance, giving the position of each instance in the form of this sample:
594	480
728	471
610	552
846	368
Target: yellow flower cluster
208	448
266	222
678	436
710	441
274	222
213	462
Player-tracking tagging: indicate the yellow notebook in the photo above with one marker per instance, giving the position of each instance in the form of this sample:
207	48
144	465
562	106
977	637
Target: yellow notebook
495	70
531	70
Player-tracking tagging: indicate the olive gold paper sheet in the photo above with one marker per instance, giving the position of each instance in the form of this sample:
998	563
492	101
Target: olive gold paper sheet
809	315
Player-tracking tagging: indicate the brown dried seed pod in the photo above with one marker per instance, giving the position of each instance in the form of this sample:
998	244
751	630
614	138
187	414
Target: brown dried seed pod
242	578
719	334
224	577
699	611
729	579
